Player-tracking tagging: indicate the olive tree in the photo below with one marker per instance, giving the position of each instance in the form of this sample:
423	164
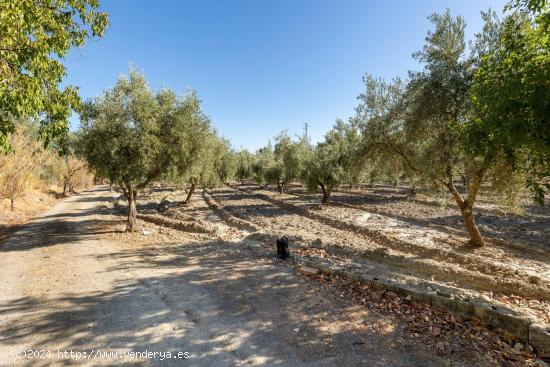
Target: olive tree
436	124
423	122
325	166
193	164
132	136
511	95
224	160
347	136
385	151
288	161
213	166
243	165
264	160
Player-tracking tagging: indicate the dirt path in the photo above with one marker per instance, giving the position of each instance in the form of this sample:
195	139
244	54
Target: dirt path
70	281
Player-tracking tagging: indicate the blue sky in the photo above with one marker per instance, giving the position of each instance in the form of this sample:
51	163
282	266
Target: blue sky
261	66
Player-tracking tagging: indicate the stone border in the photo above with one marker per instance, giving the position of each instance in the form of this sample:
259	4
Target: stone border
512	323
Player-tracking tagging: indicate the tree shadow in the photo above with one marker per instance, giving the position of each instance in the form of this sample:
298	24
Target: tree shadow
59	228
221	304
502	230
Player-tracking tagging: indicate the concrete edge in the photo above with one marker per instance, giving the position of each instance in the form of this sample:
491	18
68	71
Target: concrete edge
512	324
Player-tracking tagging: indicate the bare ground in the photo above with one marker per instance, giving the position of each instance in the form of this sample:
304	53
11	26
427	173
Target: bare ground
27	207
514	274
72	280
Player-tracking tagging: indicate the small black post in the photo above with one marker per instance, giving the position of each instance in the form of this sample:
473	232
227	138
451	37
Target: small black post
282	248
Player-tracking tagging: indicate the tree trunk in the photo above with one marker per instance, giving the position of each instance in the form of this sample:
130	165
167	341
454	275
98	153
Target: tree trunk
12	206
412	193
191	191
280	186
326	194
64	188
132	211
470	223
466	207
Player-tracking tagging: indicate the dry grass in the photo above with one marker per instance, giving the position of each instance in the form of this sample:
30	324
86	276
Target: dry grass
35	201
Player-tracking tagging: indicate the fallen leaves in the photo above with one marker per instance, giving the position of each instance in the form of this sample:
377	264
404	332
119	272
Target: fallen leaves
443	331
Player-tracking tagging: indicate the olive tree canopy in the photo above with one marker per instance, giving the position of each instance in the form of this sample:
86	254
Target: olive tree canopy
132	136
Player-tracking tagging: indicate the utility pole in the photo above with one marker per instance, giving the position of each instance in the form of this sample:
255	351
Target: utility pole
306	137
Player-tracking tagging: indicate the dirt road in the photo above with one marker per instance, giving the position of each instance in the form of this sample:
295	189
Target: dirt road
77	291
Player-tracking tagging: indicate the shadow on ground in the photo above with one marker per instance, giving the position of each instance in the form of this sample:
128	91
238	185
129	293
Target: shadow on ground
216	300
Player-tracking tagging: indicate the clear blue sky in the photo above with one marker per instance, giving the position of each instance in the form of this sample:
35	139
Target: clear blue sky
261	66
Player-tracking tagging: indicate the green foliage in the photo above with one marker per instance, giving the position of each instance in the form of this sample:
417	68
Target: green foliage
329	163
213	162
437	101
133	137
264	159
348	137
384	152
540	9
289	159
279	164
511	94
419	128
224	161
34	37
476	116
120	134
244	161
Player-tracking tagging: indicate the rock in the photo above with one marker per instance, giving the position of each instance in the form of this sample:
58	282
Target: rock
539	338
518	347
533	279
317	243
146	232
